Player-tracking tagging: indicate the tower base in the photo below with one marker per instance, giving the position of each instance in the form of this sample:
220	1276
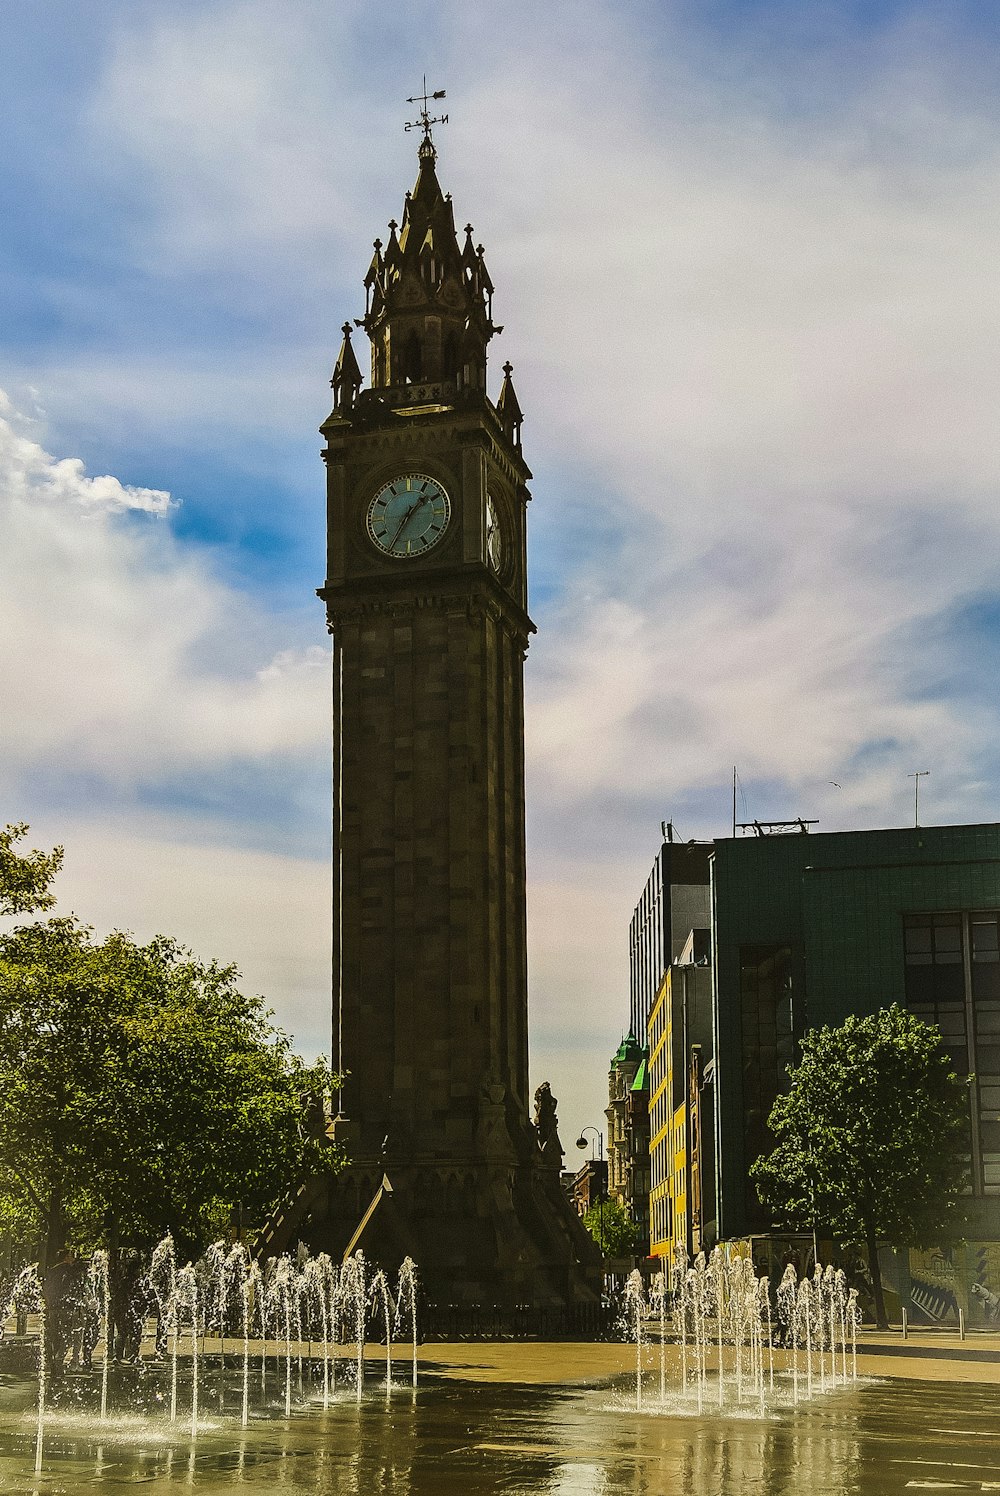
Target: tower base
477	1235
493	1229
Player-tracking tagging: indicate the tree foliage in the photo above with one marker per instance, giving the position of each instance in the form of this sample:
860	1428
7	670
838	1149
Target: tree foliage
141	1091
25	876
612	1227
870	1137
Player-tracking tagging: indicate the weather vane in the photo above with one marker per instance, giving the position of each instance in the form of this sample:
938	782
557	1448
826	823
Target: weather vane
425	121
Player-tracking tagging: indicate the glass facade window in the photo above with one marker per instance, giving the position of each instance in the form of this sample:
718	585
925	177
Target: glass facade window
768	1041
648	957
952	979
985	941
935	979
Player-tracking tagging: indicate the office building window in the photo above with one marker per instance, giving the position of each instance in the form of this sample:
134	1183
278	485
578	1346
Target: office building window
952	979
985	930
767	1043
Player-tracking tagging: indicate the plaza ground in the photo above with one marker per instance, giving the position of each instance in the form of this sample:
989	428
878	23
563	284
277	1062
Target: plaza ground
926	1355
524	1417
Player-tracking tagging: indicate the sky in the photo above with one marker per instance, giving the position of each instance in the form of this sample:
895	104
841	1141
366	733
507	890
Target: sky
746	261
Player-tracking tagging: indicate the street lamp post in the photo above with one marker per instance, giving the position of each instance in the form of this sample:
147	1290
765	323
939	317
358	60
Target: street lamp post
581	1142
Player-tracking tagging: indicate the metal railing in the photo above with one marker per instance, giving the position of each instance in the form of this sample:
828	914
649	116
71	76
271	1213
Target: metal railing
456	1322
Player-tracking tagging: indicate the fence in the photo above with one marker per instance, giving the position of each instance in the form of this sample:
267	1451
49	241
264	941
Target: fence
518	1322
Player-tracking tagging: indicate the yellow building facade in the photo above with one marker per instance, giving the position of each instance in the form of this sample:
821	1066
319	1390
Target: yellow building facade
661	1123
676	1036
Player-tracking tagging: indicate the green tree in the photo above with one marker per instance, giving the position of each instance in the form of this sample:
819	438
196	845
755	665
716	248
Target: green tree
613	1229
870	1138
141	1091
25	877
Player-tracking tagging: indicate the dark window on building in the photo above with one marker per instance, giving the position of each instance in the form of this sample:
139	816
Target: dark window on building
984	964
985	930
952	979
933	959
935	979
411	359
768	1041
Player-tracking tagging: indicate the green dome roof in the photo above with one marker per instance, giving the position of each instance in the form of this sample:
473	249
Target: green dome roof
629	1051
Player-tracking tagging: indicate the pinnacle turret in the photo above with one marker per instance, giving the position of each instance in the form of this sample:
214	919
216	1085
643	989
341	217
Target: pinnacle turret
508	408
346	379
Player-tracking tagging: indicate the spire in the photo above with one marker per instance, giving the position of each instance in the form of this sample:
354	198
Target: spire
428	307
346	379
427	187
508	408
428	301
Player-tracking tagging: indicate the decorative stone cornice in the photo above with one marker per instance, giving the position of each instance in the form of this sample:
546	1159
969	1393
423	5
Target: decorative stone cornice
386	432
341	610
513	470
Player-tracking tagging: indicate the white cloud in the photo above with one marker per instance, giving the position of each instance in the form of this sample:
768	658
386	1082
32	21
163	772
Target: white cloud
32	477
766	345
128	663
125	658
270	913
253	122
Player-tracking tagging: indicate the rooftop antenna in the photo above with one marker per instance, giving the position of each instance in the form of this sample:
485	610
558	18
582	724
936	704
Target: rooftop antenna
916	776
737	781
425	120
777	828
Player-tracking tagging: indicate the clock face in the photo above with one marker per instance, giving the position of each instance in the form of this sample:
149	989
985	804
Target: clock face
409	515
494	540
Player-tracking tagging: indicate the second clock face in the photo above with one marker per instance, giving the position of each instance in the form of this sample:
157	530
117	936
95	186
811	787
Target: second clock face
409	515
494	541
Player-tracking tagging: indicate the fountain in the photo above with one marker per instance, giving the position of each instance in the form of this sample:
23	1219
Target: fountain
353	1293
187	1299
721	1302
99	1303
406	1299
708	1336
226	1294
382	1298
318	1280
715	1309
634	1322
25	1298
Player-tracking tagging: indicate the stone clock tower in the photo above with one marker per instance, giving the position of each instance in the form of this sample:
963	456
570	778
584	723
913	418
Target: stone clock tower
426	598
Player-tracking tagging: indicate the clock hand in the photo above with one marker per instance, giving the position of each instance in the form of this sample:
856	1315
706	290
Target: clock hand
407	517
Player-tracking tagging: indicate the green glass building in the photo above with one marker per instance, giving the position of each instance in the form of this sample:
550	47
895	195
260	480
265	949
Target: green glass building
811	928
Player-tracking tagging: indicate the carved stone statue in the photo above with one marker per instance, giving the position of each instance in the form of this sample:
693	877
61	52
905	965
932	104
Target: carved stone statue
547	1126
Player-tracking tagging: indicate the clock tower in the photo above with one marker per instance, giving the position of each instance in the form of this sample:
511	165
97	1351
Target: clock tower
426	599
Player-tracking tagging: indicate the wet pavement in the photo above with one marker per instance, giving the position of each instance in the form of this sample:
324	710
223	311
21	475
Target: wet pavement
459	1436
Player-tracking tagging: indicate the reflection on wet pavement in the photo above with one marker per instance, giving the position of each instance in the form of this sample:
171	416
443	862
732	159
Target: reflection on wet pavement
462	1439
